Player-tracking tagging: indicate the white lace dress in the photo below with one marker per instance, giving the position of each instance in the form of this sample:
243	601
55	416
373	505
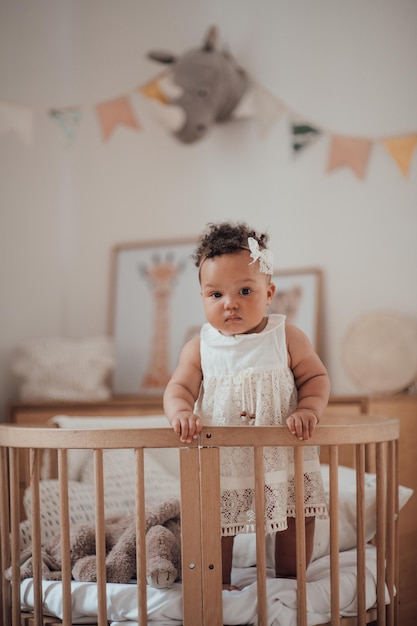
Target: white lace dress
250	373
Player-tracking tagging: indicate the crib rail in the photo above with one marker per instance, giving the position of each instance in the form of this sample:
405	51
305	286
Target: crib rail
374	442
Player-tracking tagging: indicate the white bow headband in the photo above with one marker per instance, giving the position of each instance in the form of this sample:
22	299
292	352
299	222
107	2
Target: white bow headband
266	258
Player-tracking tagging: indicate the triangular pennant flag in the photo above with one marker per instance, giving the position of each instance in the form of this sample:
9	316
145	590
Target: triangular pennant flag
268	108
401	149
245	108
153	90
68	120
303	135
349	152
18	119
114	113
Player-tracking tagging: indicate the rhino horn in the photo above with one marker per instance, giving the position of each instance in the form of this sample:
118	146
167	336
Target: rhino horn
172	117
210	40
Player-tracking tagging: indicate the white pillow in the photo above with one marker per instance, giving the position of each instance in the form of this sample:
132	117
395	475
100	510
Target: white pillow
62	368
119	468
347	510
118	501
244	552
78	458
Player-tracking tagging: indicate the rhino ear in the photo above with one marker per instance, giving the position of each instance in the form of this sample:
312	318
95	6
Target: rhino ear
210	39
162	57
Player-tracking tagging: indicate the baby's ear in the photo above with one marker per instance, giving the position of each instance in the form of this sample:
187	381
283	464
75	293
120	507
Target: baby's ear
271	291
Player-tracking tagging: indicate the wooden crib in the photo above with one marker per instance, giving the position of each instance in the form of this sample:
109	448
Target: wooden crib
370	444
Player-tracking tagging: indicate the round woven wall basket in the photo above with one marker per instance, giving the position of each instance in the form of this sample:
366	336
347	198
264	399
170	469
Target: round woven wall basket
380	352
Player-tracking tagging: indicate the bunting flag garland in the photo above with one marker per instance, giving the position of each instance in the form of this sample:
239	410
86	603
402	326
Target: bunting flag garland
303	135
258	104
153	91
18	119
114	113
268	109
401	149
68	119
349	152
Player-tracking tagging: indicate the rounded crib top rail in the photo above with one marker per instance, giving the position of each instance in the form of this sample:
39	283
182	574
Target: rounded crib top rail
338	430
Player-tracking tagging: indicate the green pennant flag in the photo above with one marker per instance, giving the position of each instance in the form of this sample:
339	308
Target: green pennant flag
303	135
68	120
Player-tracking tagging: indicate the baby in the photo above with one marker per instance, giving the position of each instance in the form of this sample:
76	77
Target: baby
249	365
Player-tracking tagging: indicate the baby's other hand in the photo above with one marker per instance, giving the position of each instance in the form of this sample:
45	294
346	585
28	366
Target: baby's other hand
187	425
302	423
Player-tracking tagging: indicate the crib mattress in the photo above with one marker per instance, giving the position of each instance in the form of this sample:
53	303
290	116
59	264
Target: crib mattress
239	607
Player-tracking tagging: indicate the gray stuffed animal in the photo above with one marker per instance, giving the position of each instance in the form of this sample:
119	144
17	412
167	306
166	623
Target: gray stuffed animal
206	85
163	549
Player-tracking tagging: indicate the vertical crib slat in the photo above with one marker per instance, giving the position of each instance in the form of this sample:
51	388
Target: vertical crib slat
300	536
192	600
334	535
260	535
5	606
36	535
65	535
141	538
100	537
381	511
14	528
391	523
396	545
211	555
360	532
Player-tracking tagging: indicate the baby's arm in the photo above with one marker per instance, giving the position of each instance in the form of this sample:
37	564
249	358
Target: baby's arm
182	391
312	383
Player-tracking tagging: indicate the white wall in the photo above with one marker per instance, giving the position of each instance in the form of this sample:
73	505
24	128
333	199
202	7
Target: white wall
347	66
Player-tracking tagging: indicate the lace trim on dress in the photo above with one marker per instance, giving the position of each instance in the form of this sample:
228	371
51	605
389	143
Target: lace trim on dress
238	504
320	512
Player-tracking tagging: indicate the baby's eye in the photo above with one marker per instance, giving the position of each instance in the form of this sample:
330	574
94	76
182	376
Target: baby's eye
245	291
216	294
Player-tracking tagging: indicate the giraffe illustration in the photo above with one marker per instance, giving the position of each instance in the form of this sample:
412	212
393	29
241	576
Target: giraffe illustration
161	277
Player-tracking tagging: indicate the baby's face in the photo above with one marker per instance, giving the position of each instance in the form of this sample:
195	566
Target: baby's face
235	293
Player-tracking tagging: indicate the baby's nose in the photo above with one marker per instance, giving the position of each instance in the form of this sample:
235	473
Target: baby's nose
230	302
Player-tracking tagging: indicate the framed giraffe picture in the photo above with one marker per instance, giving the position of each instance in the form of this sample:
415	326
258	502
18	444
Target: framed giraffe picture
155	308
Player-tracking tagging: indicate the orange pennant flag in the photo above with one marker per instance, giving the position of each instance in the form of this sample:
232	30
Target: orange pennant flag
152	90
114	113
350	152
401	149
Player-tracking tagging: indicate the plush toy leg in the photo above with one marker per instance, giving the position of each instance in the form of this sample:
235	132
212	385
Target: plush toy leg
83	551
167	510
85	569
160	545
50	568
174	526
121	560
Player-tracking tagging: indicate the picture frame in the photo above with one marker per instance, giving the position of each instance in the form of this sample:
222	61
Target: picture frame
155	307
298	295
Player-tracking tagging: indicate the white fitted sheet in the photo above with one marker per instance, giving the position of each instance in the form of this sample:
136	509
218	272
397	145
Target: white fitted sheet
239	607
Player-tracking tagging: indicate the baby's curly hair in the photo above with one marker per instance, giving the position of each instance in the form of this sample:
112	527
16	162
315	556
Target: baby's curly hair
225	238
